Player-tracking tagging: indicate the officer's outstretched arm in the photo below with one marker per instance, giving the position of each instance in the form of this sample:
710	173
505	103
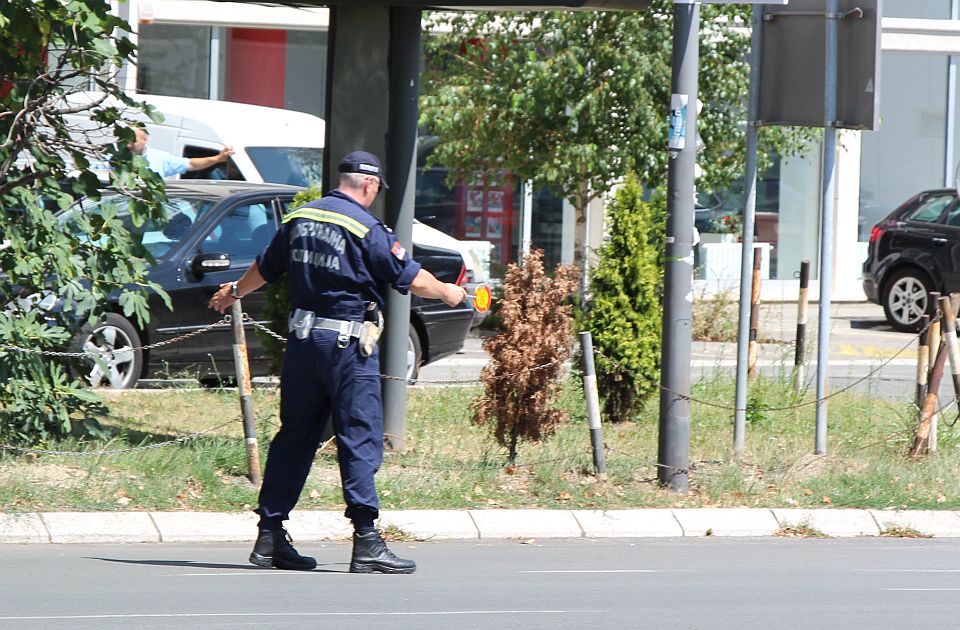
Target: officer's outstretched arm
425	284
230	292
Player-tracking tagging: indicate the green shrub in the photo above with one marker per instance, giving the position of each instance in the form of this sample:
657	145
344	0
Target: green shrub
626	302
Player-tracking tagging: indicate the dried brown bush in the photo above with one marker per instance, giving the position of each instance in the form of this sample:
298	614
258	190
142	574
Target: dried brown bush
526	361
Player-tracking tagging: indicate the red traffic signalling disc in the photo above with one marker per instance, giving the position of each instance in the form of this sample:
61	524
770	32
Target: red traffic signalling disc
481	298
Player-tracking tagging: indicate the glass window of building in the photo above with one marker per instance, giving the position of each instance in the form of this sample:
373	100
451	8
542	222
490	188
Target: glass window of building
174	60
906	154
270	67
917	9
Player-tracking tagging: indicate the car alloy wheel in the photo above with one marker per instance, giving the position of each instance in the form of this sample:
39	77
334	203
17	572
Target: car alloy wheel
906	300
113	340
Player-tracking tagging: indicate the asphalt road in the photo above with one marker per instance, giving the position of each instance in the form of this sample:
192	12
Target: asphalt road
713	583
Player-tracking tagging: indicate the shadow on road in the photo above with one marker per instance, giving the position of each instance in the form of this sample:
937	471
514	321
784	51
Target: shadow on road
190	564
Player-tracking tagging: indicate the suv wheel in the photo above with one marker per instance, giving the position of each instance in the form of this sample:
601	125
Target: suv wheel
906	298
414	355
114	339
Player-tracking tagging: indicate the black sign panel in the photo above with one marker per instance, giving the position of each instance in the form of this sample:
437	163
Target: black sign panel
792	69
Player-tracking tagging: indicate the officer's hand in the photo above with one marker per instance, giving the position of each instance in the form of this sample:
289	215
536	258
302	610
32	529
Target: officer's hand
453	294
222	300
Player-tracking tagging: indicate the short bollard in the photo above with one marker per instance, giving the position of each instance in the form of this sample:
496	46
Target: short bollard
592	395
244	387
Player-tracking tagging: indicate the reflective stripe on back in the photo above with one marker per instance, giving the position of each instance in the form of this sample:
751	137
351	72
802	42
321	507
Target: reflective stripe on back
326	216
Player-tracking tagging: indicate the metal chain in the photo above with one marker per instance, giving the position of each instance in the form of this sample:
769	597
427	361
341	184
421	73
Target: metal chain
57	353
786	408
471	381
135	449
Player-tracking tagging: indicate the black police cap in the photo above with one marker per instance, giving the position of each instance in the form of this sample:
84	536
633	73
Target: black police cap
362	162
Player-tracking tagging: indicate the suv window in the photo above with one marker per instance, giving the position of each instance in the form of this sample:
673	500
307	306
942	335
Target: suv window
930	209
242	232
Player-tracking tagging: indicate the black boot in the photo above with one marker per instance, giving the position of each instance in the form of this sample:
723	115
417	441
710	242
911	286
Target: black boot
273	549
370	554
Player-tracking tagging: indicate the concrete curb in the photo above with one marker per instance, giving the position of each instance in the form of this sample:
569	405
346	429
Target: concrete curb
170	527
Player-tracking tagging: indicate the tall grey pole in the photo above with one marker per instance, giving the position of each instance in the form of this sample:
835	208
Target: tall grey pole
749	214
674	437
401	174
826	221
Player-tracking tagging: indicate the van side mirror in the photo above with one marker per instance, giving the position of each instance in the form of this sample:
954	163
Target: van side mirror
211	261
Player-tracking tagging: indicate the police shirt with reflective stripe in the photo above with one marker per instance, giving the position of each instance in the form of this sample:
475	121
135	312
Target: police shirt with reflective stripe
338	257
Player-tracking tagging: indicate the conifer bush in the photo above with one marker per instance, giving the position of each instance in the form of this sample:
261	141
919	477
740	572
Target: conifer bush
626	305
526	360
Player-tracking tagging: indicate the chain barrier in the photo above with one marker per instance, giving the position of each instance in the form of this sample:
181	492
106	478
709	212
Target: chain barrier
414	381
815	401
101	353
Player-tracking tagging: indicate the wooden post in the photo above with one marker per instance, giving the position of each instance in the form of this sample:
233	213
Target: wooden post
244	387
754	315
935	340
923	360
921	441
799	357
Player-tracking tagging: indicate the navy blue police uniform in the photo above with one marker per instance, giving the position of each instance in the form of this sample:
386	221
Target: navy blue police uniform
338	258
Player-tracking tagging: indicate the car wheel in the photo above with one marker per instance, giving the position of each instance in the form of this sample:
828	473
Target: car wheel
114	338
906	298
414	355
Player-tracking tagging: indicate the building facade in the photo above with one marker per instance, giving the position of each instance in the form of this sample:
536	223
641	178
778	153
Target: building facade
275	56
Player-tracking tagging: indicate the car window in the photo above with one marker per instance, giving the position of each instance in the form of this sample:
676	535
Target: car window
953	216
930	208
157	237
297	166
242	232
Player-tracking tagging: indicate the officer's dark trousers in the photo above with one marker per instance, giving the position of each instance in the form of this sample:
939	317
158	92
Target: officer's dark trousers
317	378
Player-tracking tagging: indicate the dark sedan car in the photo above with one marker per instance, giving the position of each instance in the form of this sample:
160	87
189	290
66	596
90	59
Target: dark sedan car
214	230
913	251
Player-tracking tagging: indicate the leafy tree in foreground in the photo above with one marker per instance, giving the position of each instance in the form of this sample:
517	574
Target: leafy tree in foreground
526	361
627	307
50	52
576	100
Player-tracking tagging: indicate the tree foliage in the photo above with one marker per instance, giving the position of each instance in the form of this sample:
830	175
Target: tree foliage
576	100
526	361
51	53
627	307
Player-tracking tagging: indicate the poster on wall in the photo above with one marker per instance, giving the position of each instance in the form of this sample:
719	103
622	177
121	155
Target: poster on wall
494	227
475	200
495	201
473	227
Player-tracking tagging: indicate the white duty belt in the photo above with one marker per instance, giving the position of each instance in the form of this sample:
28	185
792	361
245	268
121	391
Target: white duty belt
302	321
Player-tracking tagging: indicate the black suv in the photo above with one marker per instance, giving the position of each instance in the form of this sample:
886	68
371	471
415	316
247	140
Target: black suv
913	251
213	232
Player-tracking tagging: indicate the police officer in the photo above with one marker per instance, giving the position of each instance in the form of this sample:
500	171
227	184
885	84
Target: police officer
340	261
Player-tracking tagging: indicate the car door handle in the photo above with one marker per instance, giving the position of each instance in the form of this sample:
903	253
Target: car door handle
939	241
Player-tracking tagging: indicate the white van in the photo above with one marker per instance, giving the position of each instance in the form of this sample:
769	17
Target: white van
272	145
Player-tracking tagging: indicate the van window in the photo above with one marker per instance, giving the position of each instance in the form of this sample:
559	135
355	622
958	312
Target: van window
296	166
226	170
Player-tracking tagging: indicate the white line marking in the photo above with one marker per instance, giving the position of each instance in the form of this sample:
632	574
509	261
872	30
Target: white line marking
922	589
908	570
600	571
301	614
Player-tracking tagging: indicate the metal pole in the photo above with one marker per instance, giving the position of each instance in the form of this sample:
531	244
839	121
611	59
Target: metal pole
244	387
402	173
526	219
674	426
800	352
593	403
749	214
826	221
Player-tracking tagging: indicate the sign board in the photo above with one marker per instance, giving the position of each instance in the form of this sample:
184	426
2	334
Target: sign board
793	58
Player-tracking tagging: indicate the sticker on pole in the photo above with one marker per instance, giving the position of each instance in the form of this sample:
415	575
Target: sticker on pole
482	298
